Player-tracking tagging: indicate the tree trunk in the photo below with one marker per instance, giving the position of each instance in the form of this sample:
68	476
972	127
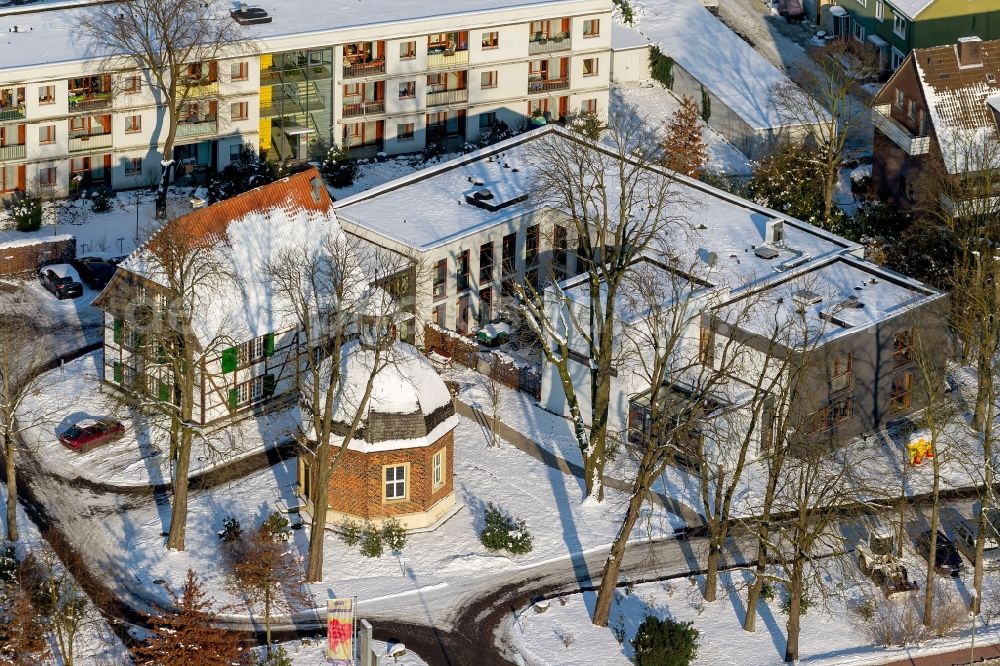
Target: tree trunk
983	393
794	611
932	548
9	453
988	475
828	188
593	466
178	514
267	618
712	569
612	565
317	526
750	621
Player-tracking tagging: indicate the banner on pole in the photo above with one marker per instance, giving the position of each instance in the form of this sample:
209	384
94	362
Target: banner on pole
340	632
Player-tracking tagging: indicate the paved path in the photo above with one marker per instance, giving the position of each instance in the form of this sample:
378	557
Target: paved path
988	655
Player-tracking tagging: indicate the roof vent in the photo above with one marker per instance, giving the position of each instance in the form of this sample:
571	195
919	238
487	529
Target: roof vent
774	233
851	302
316	188
806	297
990	78
765	252
478	182
250	15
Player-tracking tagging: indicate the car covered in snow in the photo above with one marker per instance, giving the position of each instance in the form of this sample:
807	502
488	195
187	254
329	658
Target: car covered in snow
965	538
877	559
95	272
61	279
947	559
90	433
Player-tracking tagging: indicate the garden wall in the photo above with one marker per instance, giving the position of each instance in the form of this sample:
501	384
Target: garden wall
495	364
26	256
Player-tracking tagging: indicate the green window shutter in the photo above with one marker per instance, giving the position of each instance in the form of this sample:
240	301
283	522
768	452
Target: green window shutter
161	354
119	373
164	391
233	397
229	359
269	345
268	385
119	330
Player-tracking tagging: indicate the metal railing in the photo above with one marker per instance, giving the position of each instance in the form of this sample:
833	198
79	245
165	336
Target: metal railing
206	89
540	46
546	86
364	108
15	152
364	69
89	142
12	112
446	59
92	103
900	135
195	129
448	97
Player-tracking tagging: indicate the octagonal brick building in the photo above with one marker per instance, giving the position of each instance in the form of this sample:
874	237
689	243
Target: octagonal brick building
400	462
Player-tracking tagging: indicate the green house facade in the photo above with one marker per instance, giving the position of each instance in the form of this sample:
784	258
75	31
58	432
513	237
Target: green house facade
893	28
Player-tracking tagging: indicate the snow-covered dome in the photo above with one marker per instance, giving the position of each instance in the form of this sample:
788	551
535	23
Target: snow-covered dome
410	405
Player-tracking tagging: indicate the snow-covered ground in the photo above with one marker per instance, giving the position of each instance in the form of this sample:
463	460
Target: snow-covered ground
312	652
833	631
657	105
64	396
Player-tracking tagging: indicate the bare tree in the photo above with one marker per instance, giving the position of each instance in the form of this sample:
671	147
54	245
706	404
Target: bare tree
617	207
174	45
341	292
68	608
823	104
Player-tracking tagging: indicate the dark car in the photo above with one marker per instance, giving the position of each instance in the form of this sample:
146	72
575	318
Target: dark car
792	10
947	559
90	433
94	271
61	280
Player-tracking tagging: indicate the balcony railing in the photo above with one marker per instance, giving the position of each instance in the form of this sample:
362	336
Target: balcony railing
94	102
202	89
555	45
364	108
12	152
89	142
541	86
12	112
448	97
902	137
373	68
446	59
196	129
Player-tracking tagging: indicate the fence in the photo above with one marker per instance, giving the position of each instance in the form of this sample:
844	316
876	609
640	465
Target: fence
497	365
25	256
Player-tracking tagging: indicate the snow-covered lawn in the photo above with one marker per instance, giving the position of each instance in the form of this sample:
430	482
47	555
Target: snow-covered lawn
833	631
312	652
657	105
73	392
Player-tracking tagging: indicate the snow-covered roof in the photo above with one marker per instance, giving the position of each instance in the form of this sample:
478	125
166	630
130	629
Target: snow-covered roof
717	57
624	38
50	36
244	234
960	103
910	8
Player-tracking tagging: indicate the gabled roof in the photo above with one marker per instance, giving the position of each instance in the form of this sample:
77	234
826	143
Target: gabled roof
958	98
910	8
243	234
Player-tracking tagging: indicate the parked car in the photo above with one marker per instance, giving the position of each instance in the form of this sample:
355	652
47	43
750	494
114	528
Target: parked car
965	538
792	10
89	433
94	271
877	560
947	559
62	280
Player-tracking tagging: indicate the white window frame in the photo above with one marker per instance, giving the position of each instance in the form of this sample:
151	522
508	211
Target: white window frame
250	391
899	26
438	463
897	58
596	67
400	473
879	10
492	82
251	351
858	31
863	3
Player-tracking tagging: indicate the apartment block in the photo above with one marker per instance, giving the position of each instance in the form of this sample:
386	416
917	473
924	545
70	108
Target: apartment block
308	77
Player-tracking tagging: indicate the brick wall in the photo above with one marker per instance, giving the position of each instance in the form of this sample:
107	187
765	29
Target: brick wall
356	484
19	258
465	351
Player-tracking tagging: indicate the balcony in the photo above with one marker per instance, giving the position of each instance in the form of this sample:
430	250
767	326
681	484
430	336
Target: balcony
902	137
446	59
208	127
374	68
202	88
369	108
542	86
15	152
89	142
12	112
553	45
448	97
93	102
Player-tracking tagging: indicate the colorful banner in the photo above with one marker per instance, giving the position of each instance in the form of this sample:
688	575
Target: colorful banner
340	632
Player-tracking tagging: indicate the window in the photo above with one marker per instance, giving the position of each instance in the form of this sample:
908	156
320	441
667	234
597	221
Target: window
239	71
902	386
404	132
251	351
833	414
486	262
902	347
531	244
491	40
859	32
47	134
897	58
407	90
487	120
132	84
133	124
706	344
440	278
407	50
47	176
462	276
46	94
239	111
590	66
249	392
509	247
439	315
841	371
879	10
591	27
485	305
863	3
900	98
394	478
911	110
589	106
488	79
133	166
438	463
899	26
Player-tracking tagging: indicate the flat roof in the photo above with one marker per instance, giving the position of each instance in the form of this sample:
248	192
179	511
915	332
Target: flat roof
624	38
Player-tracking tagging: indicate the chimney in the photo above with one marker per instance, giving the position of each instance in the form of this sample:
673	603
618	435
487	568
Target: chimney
774	233
970	52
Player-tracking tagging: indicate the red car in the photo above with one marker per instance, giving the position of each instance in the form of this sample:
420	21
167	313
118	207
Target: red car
89	433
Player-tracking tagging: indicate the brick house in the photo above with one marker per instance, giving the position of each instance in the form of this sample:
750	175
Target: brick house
940	104
400	463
